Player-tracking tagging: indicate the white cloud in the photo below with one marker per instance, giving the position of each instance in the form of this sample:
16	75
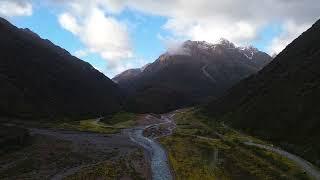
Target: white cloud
100	33
212	31
174	46
68	22
128	64
81	53
290	31
239	21
10	8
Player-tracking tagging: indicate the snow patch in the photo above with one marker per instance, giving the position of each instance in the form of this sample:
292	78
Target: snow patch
178	49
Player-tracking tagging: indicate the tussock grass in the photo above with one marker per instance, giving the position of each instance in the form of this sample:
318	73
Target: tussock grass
196	152
109	125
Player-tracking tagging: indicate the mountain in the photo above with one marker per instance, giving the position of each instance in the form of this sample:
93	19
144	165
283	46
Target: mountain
127	75
41	80
280	103
188	74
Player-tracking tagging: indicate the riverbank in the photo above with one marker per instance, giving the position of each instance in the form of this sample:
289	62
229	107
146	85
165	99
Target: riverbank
146	136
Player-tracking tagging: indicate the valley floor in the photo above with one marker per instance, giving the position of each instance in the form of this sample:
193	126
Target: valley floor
179	145
87	149
56	154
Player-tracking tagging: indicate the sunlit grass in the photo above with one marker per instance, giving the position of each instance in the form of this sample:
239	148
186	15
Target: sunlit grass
108	125
196	152
120	117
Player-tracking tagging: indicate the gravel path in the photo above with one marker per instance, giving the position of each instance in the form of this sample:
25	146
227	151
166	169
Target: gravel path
307	166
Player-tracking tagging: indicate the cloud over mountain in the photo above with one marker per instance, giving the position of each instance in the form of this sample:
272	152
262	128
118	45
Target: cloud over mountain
101	28
239	21
9	8
99	32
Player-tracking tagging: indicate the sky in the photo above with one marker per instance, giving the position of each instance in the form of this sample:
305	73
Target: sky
115	35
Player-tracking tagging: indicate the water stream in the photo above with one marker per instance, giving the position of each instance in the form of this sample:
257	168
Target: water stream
160	167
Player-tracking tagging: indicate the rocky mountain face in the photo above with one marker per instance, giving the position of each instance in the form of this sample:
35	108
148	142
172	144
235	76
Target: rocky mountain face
189	74
280	103
41	80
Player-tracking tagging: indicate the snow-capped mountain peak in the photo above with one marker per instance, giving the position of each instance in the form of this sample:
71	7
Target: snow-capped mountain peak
203	48
226	43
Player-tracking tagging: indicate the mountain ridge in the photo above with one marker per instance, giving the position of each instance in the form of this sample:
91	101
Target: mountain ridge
280	102
45	81
188	75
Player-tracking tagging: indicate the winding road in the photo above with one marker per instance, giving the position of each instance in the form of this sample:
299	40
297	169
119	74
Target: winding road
305	165
160	167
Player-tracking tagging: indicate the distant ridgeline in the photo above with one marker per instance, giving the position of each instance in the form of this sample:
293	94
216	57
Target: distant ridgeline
282	102
188	75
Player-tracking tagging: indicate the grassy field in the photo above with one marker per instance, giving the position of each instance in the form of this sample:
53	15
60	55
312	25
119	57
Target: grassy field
107	125
203	149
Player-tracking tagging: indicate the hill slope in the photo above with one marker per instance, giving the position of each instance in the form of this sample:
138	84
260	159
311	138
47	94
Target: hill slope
280	103
39	79
188	75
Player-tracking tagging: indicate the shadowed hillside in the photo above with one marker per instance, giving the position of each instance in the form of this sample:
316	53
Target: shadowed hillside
40	79
189	74
281	103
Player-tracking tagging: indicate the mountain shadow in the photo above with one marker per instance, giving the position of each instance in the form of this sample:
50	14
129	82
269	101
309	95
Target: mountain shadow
41	80
280	103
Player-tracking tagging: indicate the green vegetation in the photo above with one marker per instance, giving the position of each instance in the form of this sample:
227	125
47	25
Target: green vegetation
280	103
90	125
109	125
204	149
120	117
